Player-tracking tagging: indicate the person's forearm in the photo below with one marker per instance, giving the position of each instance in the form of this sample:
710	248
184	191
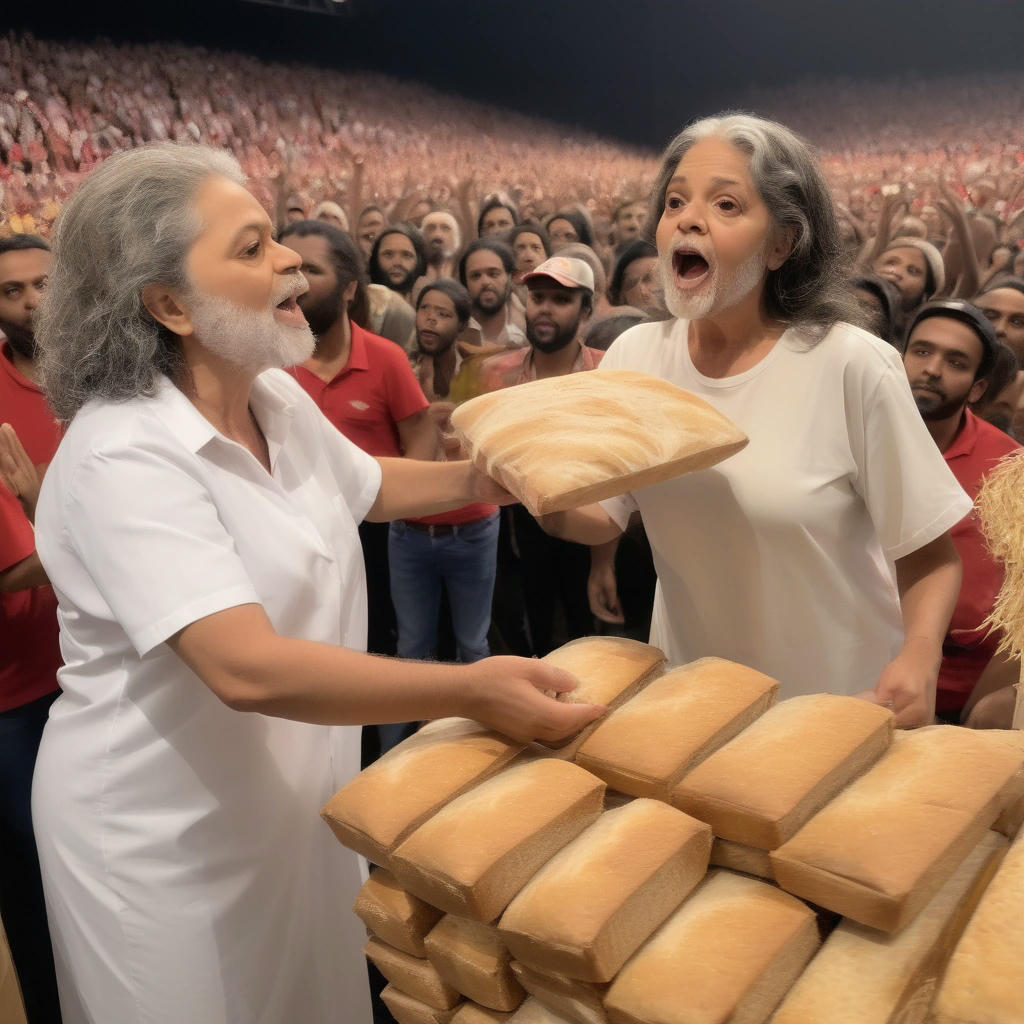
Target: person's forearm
589	525
23	575
336	686
411	488
929	583
251	668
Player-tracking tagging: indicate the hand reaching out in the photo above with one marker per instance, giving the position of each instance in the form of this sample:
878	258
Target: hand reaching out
17	471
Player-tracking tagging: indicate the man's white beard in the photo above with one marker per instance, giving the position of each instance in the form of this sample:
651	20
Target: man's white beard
717	293
246	338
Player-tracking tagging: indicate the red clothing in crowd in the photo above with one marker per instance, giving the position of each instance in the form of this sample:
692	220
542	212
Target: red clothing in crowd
974	451
28	618
374	390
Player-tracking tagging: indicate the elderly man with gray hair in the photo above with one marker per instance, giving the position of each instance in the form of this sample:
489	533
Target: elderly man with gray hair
198	524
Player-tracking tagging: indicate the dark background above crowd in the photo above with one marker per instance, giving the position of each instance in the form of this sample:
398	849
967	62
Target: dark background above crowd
633	71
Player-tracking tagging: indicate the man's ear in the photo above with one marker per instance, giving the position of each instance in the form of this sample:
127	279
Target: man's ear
978	388
781	246
164	307
349	294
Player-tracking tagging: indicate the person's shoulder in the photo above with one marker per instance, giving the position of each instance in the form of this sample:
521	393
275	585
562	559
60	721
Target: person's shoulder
996	443
852	352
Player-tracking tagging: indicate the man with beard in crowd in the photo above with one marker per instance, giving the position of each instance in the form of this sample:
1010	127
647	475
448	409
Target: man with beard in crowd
28	619
398	260
559	302
443	238
950	353
486	270
363	384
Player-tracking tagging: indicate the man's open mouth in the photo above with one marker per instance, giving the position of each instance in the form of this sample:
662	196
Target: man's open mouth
289	305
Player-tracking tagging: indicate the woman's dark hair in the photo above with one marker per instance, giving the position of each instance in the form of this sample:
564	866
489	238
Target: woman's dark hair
491	244
377	276
495	203
455	292
638	249
345	257
530	228
579	222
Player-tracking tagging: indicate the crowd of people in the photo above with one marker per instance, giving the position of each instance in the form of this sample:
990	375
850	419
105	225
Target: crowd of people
870	310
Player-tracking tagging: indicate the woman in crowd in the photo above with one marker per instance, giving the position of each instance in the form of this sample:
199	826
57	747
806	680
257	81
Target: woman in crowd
820	554
635	277
198	524
569	226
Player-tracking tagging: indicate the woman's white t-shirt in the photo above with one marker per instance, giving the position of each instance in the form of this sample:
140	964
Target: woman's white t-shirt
781	556
187	873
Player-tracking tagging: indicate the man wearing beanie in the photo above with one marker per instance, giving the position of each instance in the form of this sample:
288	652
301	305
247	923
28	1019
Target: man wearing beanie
951	349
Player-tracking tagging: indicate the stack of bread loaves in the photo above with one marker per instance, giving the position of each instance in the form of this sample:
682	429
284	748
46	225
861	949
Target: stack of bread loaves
512	885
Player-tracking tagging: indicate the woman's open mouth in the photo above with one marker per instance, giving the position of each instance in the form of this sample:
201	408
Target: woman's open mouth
690	267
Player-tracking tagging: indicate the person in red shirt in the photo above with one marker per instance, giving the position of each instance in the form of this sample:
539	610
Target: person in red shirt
949	355
28	620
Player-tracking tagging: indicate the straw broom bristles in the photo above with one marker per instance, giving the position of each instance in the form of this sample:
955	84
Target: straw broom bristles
1000	506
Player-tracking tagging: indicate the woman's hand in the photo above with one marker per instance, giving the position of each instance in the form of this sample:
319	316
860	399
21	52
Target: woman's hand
907	685
515	696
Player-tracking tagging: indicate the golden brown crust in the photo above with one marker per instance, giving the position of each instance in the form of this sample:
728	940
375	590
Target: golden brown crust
761	787
647	744
563	442
393	796
586	912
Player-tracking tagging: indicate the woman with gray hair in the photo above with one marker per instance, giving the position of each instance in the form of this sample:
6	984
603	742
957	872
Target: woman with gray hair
198	524
820	554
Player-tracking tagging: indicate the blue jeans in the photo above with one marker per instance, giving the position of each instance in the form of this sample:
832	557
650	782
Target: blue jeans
464	562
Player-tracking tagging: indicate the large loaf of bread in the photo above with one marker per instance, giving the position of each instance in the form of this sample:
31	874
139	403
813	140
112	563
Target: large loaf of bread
393	796
407	1009
471	957
767	782
394	915
610	670
562	442
863	976
588	910
882	848
729	953
984	983
478	851
676	721
411	975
